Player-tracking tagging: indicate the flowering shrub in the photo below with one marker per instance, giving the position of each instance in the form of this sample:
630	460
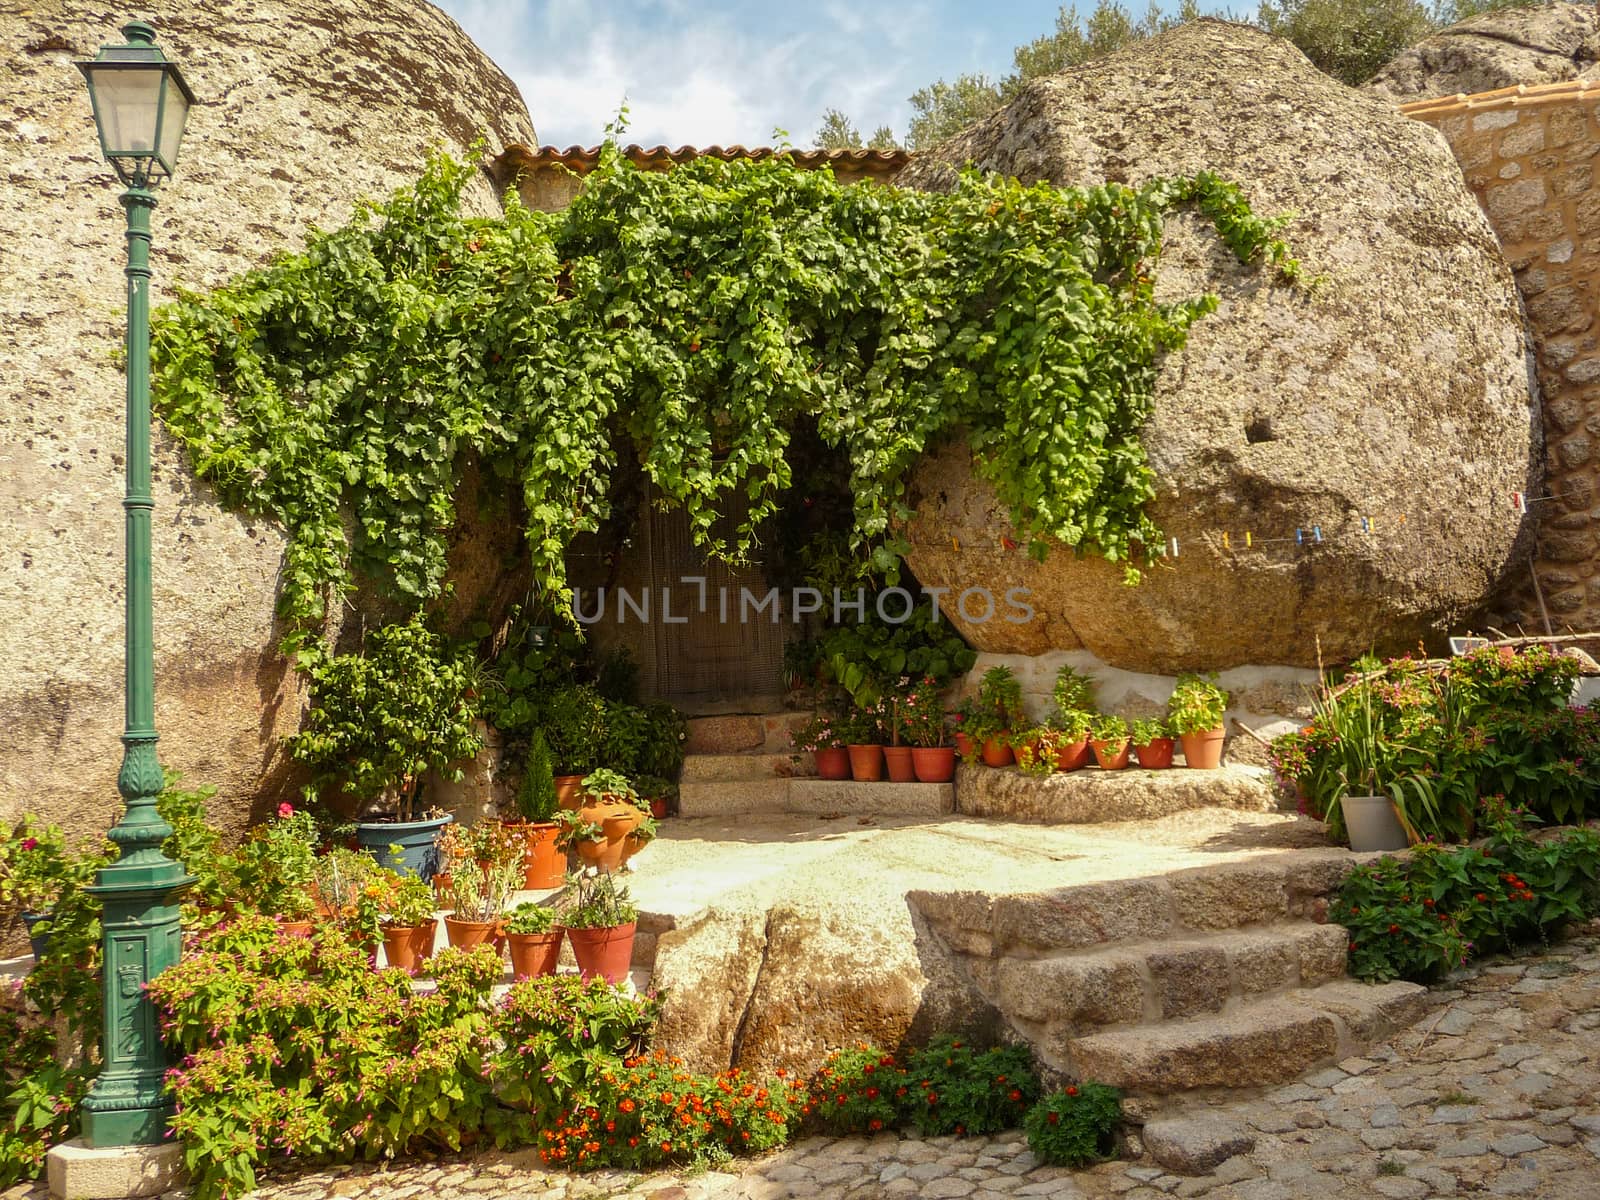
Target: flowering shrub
921	714
956	1088
1075	1126
295	1046
1439	737
649	1111
859	1090
1418	919
819	733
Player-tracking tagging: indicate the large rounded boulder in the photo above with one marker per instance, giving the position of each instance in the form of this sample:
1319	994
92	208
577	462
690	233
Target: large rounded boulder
304	108
1336	463
1542	43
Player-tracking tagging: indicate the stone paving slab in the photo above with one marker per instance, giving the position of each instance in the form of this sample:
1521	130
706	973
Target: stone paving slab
1496	1092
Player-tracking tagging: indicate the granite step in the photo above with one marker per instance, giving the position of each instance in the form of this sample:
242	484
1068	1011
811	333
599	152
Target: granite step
720	768
1267	1041
1149	982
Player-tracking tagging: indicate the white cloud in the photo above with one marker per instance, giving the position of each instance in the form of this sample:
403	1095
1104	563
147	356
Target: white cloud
696	75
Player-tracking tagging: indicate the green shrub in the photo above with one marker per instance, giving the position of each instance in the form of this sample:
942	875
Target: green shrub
955	1088
1438	739
651	1111
1076	1126
860	1090
1420	918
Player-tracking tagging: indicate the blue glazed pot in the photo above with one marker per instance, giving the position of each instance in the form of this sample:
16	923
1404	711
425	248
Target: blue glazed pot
40	942
417	855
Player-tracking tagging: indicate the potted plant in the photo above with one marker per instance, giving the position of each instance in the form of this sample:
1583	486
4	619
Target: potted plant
574	724
1034	748
822	738
922	714
660	793
599	830
350	890
1152	743
1071	738
1195	712
1108	737
36	870
997	710
408	925
600	919
276	866
485	865
862	737
534	940
543	865
380	720
896	755
1076	709
1374	768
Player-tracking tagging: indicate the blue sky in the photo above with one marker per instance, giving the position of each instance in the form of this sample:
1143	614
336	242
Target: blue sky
700	72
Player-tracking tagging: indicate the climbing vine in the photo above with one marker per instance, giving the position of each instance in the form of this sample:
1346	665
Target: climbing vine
692	320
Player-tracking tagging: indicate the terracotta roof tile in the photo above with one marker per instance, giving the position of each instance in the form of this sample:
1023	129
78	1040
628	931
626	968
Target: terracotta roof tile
1520	96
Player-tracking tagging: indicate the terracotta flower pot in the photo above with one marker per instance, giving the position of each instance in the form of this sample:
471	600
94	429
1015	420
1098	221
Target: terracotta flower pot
934	764
658	808
832	763
544	866
605	953
997	754
294	928
897	760
408	947
963	744
443	891
1155	755
1112	756
464	935
604	853
866	763
569	791
534	953
1203	749
1073	756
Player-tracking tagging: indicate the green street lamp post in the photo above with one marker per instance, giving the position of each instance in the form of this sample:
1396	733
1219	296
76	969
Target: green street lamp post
140	105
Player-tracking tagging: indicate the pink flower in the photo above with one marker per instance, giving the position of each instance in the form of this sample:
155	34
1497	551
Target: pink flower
286	809
29	843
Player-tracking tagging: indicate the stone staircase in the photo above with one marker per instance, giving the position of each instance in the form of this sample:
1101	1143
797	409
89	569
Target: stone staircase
1215	977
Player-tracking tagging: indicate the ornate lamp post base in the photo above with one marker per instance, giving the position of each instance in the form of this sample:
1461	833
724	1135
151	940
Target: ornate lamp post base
117	1173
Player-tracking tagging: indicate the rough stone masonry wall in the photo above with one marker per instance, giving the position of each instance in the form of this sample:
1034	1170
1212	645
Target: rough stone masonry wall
1529	156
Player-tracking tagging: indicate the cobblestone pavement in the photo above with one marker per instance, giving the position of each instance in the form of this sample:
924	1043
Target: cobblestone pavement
1495	1091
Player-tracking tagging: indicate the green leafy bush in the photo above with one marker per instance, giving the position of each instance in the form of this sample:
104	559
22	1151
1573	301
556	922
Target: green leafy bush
1196	705
1420	918
1438	738
650	1111
383	717
873	659
693	320
297	1046
1076	1126
955	1088
858	1090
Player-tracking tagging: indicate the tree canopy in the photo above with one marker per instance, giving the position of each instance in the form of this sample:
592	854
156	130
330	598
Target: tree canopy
1349	39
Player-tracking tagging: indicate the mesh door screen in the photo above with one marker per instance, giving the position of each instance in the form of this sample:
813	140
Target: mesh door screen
723	653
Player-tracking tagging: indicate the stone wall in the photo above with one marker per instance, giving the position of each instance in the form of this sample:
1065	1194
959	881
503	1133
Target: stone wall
1528	154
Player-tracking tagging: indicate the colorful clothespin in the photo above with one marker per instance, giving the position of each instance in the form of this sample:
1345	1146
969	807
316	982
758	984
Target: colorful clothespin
1248	538
1366	525
1226	545
1316	531
1519	501
1299	536
1173	547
